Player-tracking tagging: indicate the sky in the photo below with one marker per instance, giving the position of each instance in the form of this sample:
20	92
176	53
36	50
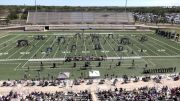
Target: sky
93	2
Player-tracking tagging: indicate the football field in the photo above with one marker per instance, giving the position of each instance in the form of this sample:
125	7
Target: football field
136	50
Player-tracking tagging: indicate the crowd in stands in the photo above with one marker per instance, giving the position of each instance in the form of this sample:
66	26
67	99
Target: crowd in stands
41	96
118	94
8	97
42	83
141	94
171	18
64	82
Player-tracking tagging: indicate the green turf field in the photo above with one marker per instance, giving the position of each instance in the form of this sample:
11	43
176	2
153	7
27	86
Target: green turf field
158	52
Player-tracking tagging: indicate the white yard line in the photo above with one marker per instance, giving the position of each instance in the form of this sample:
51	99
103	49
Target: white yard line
26	68
31	34
15	51
132	49
147	55
36	52
50	46
7	45
92	46
164	59
2	60
79	66
9	63
144	52
28	50
10	49
53	42
62	59
117	45
57	50
111	47
165	48
4	36
137	54
154	51
140	49
8	41
76	46
156	48
172	56
144	46
163	43
40	47
84	45
103	48
15	69
67	49
151	62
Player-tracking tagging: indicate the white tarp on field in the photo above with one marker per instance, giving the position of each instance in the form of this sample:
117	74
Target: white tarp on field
64	75
94	73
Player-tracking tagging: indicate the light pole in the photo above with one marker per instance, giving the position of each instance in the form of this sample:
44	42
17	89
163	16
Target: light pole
35	5
125	6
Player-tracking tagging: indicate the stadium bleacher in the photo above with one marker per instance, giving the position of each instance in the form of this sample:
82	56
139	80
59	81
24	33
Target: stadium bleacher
39	21
46	18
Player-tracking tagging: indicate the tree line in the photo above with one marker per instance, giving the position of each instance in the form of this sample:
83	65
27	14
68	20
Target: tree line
21	11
